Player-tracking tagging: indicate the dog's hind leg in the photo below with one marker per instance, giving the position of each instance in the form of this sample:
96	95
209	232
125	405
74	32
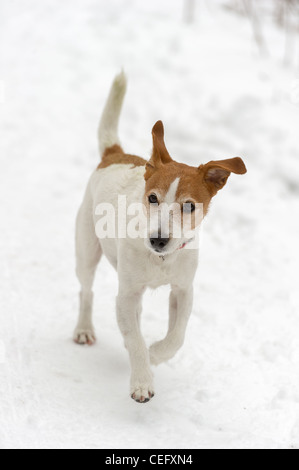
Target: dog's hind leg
89	252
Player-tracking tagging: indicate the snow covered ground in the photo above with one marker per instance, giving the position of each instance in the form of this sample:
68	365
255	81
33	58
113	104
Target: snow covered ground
235	384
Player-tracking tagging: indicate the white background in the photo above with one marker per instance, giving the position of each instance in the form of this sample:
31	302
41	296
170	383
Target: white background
235	383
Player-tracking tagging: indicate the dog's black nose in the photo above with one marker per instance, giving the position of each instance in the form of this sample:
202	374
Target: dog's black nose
159	243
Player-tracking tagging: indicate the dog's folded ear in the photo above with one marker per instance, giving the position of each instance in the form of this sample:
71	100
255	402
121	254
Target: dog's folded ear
160	153
216	173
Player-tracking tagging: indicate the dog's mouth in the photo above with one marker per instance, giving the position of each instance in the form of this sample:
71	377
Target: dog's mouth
167	249
156	250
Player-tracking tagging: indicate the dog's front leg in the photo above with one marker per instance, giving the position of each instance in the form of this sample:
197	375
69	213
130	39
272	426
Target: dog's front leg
128	311
180	307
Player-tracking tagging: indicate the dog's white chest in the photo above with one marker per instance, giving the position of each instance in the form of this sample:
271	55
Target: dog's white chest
158	274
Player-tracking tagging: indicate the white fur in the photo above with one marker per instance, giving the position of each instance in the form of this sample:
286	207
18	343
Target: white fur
166	219
137	269
137	266
171	193
108	128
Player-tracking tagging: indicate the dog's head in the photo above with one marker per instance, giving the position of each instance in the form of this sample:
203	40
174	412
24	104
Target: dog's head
177	196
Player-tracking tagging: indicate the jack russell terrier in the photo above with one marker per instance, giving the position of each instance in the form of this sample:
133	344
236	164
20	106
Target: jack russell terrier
158	258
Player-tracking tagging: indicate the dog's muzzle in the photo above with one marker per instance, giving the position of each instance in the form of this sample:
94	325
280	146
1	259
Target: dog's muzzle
158	244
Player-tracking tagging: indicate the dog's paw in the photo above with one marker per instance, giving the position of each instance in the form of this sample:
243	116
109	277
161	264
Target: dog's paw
142	395
84	336
142	390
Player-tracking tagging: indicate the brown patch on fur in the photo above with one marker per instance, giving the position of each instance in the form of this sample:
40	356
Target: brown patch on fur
197	185
160	153
191	187
216	173
115	155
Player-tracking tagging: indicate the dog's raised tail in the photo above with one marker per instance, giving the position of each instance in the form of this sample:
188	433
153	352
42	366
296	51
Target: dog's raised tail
108	128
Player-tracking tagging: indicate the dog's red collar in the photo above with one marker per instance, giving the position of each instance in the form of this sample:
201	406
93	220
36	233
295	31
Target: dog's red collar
179	248
185	244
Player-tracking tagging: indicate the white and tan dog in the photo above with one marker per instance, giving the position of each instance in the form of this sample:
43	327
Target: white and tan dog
158	258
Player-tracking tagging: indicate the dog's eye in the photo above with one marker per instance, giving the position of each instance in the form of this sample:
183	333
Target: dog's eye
153	199
188	207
